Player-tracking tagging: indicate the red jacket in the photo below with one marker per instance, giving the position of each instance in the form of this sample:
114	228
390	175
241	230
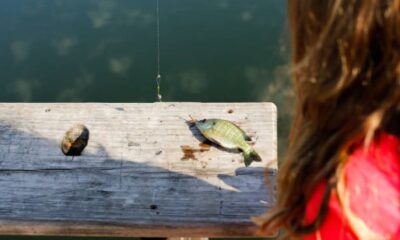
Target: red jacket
372	179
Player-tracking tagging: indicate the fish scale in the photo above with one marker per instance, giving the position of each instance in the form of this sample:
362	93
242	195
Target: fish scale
231	132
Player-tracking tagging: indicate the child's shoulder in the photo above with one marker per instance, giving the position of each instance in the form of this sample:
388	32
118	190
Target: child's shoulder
372	182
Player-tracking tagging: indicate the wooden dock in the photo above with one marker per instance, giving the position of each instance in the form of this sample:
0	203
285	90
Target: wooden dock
145	171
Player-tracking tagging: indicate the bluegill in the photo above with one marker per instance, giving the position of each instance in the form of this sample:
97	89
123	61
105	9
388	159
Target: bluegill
229	136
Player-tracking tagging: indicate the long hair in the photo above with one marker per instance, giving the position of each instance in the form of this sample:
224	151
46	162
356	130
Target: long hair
346	74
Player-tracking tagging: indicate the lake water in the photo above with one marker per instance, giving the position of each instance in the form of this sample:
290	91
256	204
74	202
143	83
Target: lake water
106	51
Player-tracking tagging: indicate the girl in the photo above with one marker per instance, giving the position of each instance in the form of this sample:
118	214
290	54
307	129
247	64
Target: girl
341	176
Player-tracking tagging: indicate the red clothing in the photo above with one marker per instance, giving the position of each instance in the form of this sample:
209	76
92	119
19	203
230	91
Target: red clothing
372	179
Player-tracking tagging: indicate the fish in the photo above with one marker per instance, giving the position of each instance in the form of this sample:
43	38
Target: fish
228	135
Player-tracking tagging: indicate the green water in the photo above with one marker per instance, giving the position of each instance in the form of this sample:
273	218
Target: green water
105	51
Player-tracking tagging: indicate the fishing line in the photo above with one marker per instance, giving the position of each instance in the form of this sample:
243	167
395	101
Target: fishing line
158	78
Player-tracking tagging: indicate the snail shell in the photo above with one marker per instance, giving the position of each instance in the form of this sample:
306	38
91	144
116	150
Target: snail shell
75	140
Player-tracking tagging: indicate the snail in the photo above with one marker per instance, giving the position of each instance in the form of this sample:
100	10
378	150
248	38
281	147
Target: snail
75	140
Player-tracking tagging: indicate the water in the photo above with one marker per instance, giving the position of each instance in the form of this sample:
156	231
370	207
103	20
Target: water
105	51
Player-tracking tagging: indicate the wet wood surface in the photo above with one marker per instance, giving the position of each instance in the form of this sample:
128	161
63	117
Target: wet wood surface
144	172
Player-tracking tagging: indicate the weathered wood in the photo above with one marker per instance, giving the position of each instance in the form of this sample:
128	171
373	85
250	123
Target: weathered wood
187	238
133	179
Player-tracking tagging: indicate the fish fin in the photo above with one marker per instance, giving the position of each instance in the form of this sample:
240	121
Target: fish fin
251	156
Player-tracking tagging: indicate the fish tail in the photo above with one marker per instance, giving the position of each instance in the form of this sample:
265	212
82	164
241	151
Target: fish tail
250	156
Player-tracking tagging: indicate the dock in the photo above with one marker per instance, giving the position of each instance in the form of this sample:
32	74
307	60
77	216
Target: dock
145	171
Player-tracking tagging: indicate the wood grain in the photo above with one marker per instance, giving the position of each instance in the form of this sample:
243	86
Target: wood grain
133	179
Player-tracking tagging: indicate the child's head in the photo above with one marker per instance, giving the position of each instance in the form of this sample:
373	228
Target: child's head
346	59
346	72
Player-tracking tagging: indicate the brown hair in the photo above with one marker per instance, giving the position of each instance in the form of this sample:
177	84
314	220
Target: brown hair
346	72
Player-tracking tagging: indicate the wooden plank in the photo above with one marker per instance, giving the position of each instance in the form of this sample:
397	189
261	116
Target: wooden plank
187	238
133	178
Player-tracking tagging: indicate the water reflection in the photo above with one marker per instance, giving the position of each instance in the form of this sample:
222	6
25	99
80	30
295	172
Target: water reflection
20	50
102	14
193	81
120	66
77	89
223	4
63	46
200	44
137	16
24	89
246	16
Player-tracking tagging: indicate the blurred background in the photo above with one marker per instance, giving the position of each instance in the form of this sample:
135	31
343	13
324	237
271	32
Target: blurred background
106	51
